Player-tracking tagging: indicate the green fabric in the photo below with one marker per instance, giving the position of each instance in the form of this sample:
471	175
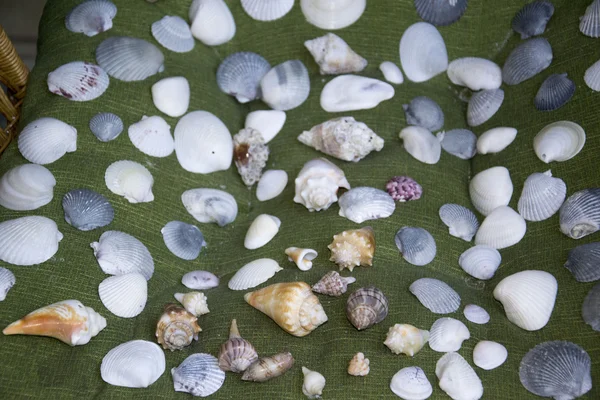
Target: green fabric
46	368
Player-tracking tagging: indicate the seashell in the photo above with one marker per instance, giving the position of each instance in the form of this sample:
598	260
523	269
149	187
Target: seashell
7	281
171	95
291	305
440	13
476	314
343	138
490	189
78	81
239	75
461	221
457	378
353	92
423	52
556	369
106	126
193	302
359	365
526	61
411	382
435	295
421	144
353	248
424	112
332	14
131	180
391	72
495	140
484	105
26	187
267	368
268	122
173	33
592	77
45	140
134	364
253	274
236	354
285	86
542	196
555	92
334	56
203	143
531	20
211	22
317	184
271	184
584	262
124	295
461	143
91	17
475	73
333	284
87	210
210	205
28	240
200	280
502	228
489	355
366	203
580	214
313	385
129	59
528	298
559	141
403	188
183	240
416	245
267	10
199	375
152	136
250	154
589	23
262	230
481	262
591	308
366	307
176	328
406	339
68	321
119	253
301	257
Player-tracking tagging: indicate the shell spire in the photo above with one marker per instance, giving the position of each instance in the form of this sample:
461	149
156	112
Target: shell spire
176	328
353	248
236	354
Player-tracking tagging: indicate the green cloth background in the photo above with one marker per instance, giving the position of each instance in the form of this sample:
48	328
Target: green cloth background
46	368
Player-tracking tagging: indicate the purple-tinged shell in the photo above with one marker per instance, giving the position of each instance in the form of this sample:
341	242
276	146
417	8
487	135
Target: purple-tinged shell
404	188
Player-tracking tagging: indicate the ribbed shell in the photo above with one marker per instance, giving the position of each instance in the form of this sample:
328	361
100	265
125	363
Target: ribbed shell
173	33
490	189
183	240
435	295
87	210
45	140
559	141
476	314
239	75
131	180
106	126
28	240
457	378
91	17
447	334
531	20
480	262
504	227
236	354
210	205
124	295
542	196
199	375
584	262
591	308
461	221
441	12
422	111
527	60
78	81
26	187
366	307
317	184
200	280
555	92
134	364
416	245
484	105
423	52
421	144
411	382
332	14
119	253
253	274
580	214
366	203
590	21
152	136
267	10
333	284
461	143
7	281
592	77
286	85
129	59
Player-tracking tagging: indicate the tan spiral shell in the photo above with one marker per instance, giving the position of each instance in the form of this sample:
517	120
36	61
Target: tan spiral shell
176	328
236	354
353	248
333	284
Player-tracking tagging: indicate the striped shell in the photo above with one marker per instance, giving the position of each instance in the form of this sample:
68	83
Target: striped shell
590	21
332	14
173	33
28	240
542	196
183	240
365	203
253	274
7	281
484	105
78	81
91	17
118	253
106	126
45	140
591	308
416	245
457	378
366	307
236	354
531	20
411	382
461	221
490	189
333	284
504	227
527	60
441	12
584	262
555	92
210	205
286	85
199	375
129	59
447	334
580	214
239	75
124	295
435	295
592	77
87	210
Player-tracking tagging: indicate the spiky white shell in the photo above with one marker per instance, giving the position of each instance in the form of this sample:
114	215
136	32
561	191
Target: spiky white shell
134	364
210	205
152	136
199	375
172	95
365	203
28	240
211	22
286	85
332	14
480	262
436	295
253	274
317	184
173	33
45	140
489	355
124	295
495	140
91	17
490	189
423	52
78	81
261	231
353	92
406	339
542	196
131	180
129	59
457	378
118	253
421	144
411	383
504	227
476	314
268	122
7	281
271	184
559	141
267	10
26	187
475	73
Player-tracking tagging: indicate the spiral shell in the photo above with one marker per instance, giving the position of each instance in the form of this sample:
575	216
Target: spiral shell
193	302
333	284
406	339
313	384
317	184
176	328
267	368
236	354
366	307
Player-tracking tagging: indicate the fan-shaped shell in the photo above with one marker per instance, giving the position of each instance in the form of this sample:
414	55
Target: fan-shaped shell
130	180
435	295
262	230
134	364
461	221
580	214
28	240
152	136
119	253
317	184
527	60
253	274
423	52
457	378
504	227
91	17
531	20
592	76
200	280
441	12
26	187
365	203
173	33
475	73
366	307
584	262
286	85
271	184
555	92
447	334
267	10
7	281
332	14
106	126
45	140
411	382
210	205
239	75
211	22
490	189
183	240
476	314
590	21
495	140
421	144
78	81
129	59
591	308
424	112
391	72
416	245
172	95
124	295
484	105
489	355
87	210
461	143
199	374
236	354
353	92
268	122
559	141
542	196
480	262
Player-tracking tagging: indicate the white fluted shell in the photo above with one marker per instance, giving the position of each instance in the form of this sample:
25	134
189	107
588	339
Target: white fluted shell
495	140
118	253
580	213
476	314
210	205
589	23
559	141
45	140
91	17
271	184
267	10
131	180
421	144
411	383
239	75
78	81
253	274
353	92
461	221
129	59
268	122
542	196
366	203
423	52
391	72
332	14
211	22
490	189
124	295
152	136
447	334
303	260
28	240
199	375
171	95
26	187
504	227
262	230
475	73
484	105
480	262
416	245
7	281
286	85
183	240
489	355
592	76
133	364
457	378
317	184
87	210
173	33
106	126
436	295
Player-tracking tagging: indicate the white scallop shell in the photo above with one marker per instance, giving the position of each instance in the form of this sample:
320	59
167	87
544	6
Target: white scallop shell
580	214
475	73
480	262
45	140
210	205
78	81
91	17
436	295
267	10
527	60
489	355
183	240
457	378
484	105
173	33
200	280
124	295
476	314
353	92
28	240
421	144
203	143
416	245
253	274
334	56
106	126
152	136
261	231
447	334
268	122
495	140
7	281
391	72
271	184
411	383
172	96
542	196
239	75
528	298
423	52
131	180
317	184
559	141
199	375
503	228
26	187
87	210
286	85
490	189
129	59
366	203
134	364
313	384
590	21
211	22
461	221
118	253
592	76
332	14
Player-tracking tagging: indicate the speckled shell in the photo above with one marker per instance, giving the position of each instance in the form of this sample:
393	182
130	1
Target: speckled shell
542	196
447	334
440	12
580	214
173	33
461	143
504	227
584	262
28	240
590	21
436	295
406	339
353	248
239	75
7	281
87	210
91	17
531	20
176	328
424	112
334	56
490	189
26	187
200	280
366	307
489	355
480	262
106	126
421	144
332	14
183	240
366	203
457	378
555	92
411	382
210	205
267	368
152	136
133	364
129	59
267	10
484	105
286	85
317	184
461	221
333	284
199	375
119	253
476	314
416	245
78	81
236	354
45	140
423	52
527	60
591	308
250	154
559	141
253	274
131	180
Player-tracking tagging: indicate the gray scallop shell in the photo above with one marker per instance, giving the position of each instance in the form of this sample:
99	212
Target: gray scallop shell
424	112
91	17
173	33
366	203
580	214
461	221
366	307
119	253
199	375
129	59
555	92
531	20
591	308
480	262
584	262
436	295
556	369
441	12
239	75
183	240
416	245
87	210
7	281
590	22
286	85
106	126
484	105
527	60
541	197
461	143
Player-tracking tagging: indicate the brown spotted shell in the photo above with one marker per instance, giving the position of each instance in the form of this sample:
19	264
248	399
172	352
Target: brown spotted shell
333	284
366	307
250	154
353	248
236	354
176	328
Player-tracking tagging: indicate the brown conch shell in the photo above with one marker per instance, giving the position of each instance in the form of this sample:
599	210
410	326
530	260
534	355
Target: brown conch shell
359	365
269	367
250	154
352	248
366	307
333	284
176	328
292	305
236	354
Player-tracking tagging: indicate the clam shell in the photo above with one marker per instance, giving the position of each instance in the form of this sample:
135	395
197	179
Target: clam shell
87	210
91	17
199	375
406	339
592	76
200	280
183	240
475	73
580	214
531	20
447	334
239	75
353	248
210	205
461	143
134	364
416	245
490	189
527	60
45	140
130	180
461	221
211	22
411	382
503	228
28	240
317	184
173	33
129	59
106	126
7	281
267	368
334	56
78	81
286	85
489	355
26	187
391	72
476	314
332	14
267	10
268	122
441	12
250	154
424	112
366	307
262	230
484	105
236	354
590	21
421	144
353	92
559	141
542	196
171	96
124	295
423	52
584	262
313	384
152	136
555	92
301	257
271	184
435	295
480	262
365	203
495	140
119	253
332	284
591	308
253	274
457	378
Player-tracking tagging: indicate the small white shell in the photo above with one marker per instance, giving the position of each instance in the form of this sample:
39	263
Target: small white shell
28	240
366	203
313	384
334	56
447	334
152	136
436	295
87	210
476	314
559	141
495	140
261	231
490	189
406	339
423	111
119	253
200	280
391	72
475	73
411	383
580	214
461	221
131	180
210	205
592	76
332	14
268	122
461	143
317	184
199	375
590	21
271	184
480	262
239	75
171	96
134	364
286	85
457	378
78	81
416	245
253	274
489	355
542	196
91	17
301	257
423	52
527	60
421	144
26	187
124	295
183	240
173	33
194	302
484	105
211	22
7	281
504	227
353	92
129	59
45	140
106	126
267	10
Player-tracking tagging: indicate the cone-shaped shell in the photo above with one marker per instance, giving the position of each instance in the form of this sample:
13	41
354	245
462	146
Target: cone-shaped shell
199	375
28	240
584	262
253	274
362	204
353	248
91	17
366	307
490	189
262	230
457	378
26	187
210	205
559	141
542	196
504	227
124	295
334	56
333	284
129	59
119	253
133	364
78	81
436	295
45	140
176	328
301	257
527	60
131	180
267	368
580	214
423	52
236	354
406	339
